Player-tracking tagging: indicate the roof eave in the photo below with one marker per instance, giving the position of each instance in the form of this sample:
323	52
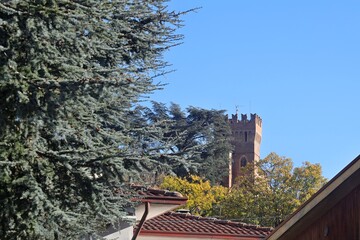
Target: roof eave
330	194
162	200
202	235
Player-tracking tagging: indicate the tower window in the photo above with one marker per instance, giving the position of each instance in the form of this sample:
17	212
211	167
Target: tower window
246	137
243	162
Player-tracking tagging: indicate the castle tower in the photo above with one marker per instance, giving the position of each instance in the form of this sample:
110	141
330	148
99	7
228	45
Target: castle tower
246	139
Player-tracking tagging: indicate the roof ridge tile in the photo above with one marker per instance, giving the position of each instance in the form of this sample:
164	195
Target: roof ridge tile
155	190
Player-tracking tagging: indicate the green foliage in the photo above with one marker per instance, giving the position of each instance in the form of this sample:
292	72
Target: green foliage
70	74
203	199
197	138
274	192
307	180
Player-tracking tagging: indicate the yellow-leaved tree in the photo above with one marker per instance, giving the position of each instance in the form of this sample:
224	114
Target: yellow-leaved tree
203	199
277	191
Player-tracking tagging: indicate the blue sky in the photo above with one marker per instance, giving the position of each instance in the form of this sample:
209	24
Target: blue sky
294	63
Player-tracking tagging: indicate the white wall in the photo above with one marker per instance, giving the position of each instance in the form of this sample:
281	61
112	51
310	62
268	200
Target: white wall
124	234
154	210
127	232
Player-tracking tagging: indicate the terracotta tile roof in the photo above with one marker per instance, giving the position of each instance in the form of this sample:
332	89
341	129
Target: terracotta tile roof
147	191
148	194
185	224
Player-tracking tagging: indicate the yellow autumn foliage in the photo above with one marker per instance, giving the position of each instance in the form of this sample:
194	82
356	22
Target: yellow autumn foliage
203	199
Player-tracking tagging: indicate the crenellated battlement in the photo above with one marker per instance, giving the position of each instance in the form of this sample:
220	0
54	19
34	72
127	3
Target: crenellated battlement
254	119
246	139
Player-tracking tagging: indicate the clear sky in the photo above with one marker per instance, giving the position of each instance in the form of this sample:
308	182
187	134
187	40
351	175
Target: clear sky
294	63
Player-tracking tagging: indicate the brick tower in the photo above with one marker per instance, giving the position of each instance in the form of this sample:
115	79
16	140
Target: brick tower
246	139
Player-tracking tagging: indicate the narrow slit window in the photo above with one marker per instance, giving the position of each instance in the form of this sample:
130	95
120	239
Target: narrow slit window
243	162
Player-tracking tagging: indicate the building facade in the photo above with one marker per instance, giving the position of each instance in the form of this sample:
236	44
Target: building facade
246	140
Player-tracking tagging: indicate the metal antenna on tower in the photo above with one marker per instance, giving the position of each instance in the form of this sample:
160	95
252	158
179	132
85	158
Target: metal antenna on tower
250	107
237	108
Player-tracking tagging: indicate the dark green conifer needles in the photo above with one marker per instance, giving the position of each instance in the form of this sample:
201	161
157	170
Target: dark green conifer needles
70	72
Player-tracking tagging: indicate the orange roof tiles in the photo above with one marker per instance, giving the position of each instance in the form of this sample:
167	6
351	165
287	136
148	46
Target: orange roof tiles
145	194
154	192
185	224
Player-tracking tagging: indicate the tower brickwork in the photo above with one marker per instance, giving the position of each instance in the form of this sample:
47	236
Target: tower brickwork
246	140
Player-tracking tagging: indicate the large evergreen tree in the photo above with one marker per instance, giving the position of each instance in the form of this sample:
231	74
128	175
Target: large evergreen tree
196	141
70	72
